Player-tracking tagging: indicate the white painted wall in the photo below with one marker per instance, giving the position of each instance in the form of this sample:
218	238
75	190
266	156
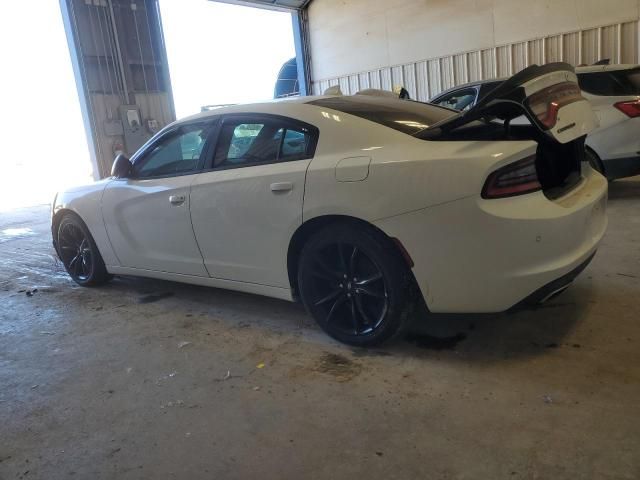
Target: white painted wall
354	36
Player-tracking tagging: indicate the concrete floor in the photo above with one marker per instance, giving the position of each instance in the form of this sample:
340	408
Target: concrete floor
99	383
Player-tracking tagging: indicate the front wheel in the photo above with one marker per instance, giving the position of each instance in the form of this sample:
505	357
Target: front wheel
79	253
355	284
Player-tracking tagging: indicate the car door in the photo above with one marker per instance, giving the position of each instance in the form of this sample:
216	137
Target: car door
248	204
147	214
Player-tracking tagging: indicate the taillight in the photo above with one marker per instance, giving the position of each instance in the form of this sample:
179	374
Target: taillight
546	103
516	178
630	109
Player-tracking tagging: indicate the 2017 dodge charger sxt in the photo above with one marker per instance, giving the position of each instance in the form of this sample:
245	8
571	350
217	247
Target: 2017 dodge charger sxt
355	205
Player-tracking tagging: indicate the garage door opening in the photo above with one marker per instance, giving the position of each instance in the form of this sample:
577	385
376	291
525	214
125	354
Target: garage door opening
44	146
222	54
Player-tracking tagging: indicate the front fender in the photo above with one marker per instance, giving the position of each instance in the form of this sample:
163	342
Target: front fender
86	202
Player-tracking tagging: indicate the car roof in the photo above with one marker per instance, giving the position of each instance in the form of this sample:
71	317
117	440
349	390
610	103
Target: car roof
584	69
280	105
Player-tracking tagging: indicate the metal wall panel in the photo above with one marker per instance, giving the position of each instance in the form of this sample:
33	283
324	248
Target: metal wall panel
426	78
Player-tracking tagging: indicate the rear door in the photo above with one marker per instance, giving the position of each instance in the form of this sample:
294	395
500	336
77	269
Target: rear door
248	203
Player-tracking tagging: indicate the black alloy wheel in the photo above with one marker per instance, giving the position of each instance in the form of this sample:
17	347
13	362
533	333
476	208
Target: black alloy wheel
354	284
79	253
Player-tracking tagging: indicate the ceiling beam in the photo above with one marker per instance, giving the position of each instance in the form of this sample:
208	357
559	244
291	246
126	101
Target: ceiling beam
279	5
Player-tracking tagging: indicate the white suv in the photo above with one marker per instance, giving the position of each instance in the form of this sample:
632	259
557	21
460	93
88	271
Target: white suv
614	92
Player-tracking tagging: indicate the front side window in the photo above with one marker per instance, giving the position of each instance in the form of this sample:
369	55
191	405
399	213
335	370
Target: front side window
259	142
460	100
175	154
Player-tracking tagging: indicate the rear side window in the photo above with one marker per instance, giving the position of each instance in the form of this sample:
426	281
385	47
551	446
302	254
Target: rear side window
614	83
242	143
405	116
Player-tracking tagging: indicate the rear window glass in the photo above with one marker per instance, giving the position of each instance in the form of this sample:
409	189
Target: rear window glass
614	83
406	116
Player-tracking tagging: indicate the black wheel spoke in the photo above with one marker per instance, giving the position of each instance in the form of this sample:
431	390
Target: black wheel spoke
372	278
354	316
361	311
73	261
86	266
336	304
343	260
77	269
352	261
326	272
371	293
331	296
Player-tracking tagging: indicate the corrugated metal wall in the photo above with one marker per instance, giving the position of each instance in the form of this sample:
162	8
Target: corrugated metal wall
426	78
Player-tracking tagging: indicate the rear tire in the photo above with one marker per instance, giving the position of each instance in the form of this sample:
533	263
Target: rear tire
355	284
79	253
594	161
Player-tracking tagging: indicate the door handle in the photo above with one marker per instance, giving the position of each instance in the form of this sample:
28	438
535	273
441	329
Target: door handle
177	199
281	186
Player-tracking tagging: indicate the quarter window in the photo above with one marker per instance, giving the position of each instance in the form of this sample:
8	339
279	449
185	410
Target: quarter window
177	153
255	143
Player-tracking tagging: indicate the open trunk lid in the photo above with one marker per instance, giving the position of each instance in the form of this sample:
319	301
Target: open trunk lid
549	96
560	119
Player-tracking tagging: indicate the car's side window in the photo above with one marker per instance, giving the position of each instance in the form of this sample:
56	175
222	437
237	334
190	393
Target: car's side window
295	144
176	153
597	83
243	143
459	100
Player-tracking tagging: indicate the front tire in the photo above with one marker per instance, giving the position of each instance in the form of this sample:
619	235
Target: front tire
355	284
79	253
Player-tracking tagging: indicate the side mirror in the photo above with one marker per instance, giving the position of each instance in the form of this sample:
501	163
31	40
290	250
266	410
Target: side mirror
121	167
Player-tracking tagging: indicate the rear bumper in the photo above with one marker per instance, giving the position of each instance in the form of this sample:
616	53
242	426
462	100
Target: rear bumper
474	255
553	288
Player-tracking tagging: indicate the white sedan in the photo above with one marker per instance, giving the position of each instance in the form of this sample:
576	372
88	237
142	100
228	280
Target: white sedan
359	206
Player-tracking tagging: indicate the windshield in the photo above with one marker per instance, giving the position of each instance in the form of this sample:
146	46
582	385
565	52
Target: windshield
613	83
406	116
